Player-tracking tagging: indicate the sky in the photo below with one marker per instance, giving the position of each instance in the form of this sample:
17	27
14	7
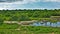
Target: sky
29	4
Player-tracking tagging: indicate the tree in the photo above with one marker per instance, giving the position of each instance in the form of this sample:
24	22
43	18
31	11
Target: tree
1	21
24	18
14	18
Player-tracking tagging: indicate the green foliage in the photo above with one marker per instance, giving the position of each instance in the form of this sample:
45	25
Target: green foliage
31	29
40	29
17	15
22	15
2	33
1	21
24	18
8	26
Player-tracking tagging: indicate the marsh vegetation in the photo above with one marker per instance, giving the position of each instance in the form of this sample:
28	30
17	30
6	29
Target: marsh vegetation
52	16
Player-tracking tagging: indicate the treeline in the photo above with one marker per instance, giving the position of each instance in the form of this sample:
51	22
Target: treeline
22	15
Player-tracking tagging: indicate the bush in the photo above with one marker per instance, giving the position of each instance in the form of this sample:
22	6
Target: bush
1	21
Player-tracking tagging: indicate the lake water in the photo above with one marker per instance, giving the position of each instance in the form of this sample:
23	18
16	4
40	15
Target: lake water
57	24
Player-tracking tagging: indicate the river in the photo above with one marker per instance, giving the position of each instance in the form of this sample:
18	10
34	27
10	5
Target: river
57	24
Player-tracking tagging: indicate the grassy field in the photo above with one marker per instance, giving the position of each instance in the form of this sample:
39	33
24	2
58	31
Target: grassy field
28	15
18	29
8	26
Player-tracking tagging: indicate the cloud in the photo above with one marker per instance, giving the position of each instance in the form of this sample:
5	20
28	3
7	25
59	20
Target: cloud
14	5
26	1
19	2
29	4
52	0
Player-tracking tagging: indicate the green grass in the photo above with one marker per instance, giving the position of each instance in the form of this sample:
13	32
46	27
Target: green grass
8	26
47	19
12	29
40	29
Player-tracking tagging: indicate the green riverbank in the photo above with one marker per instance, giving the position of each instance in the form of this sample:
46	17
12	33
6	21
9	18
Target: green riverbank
18	29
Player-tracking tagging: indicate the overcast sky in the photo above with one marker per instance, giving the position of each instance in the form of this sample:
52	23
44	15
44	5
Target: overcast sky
29	4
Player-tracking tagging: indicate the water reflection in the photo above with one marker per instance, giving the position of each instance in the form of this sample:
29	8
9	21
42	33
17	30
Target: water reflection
57	24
